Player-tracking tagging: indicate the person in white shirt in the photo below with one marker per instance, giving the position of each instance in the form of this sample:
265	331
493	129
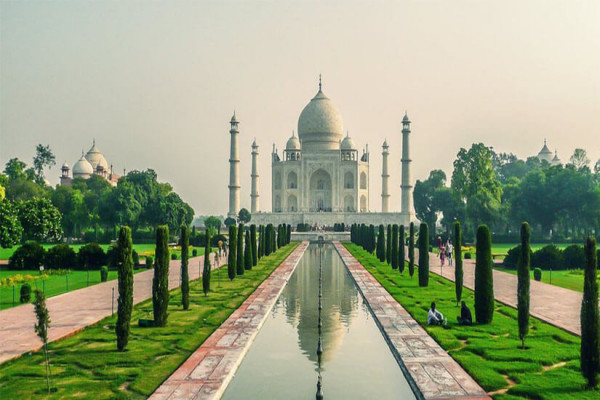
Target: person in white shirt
434	317
449	249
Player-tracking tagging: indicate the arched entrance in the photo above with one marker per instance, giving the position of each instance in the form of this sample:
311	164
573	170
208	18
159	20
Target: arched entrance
320	191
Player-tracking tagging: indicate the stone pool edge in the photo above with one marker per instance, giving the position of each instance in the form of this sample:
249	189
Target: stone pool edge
427	367
209	369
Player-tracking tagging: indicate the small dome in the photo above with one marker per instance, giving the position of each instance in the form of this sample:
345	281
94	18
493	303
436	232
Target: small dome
555	160
65	166
320	125
545	154
82	168
234	118
348	143
95	157
293	143
405	119
385	143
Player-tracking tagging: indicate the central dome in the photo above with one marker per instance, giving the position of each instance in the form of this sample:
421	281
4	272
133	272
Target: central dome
320	125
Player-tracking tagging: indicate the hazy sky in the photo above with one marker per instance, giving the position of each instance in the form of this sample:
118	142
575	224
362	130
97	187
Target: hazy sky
156	82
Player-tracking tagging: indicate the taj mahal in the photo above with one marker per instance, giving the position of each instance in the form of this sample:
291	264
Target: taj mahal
320	177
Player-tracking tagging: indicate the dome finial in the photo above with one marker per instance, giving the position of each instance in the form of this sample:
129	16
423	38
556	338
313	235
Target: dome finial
544	141
319	82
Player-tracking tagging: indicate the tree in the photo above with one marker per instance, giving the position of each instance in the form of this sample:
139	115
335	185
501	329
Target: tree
42	326
248	252
240	251
381	244
484	278
214	224
401	249
395	246
40	220
125	283
424	255
254	246
523	283
579	159
244	216
206	270
411	250
185	275
388	247
232	255
43	158
372	244
458	262
590	344
229	222
11	230
15	169
160	282
425	193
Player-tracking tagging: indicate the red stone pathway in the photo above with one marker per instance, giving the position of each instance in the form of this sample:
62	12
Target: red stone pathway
207	372
436	374
553	304
73	311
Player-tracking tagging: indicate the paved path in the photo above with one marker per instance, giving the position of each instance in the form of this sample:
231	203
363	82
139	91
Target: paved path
73	311
435	373
208	371
553	304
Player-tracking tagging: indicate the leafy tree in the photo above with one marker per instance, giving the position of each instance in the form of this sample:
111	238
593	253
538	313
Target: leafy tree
232	254
424	255
125	282
11	230
92	255
15	169
401	249
388	247
61	256
23	189
41	328
395	246
484	278
40	220
29	256
523	283
206	270
213	223
229	221
579	159
43	158
425	193
244	216
160	282
248	252
240	251
185	275
411	250
590	343
458	262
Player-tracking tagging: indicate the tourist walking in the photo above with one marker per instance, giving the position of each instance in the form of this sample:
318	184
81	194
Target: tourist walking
449	249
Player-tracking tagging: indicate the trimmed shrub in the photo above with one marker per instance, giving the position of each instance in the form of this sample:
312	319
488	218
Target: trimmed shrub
173	256
149	261
388	247
29	256
125	282
185	276
104	274
160	282
253	243
206	269
232	255
239	270
25	293
573	257
458	262
61	256
194	252
401	249
411	249
92	256
136	257
537	274
548	257
523	283
424	255
590	346
395	246
248	252
484	278
381	244
468	256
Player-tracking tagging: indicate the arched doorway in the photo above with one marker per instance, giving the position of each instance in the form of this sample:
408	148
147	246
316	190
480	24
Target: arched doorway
348	180
292	203
292	180
320	191
363	203
363	180
349	203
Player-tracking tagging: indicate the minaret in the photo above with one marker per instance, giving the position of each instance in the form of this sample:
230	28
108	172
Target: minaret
254	186
385	193
234	170
406	187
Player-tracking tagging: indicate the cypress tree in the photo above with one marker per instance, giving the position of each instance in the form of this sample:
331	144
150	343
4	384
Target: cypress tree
125	278
590	350
185	276
260	235
206	270
160	282
401	249
523	284
262	241
388	247
232	256
240	251
42	326
380	244
273	240
424	255
458	262
278	235
411	249
395	246
253	242
289	234
484	278
372	243
248	252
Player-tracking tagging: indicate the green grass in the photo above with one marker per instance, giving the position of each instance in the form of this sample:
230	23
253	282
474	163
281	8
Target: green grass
491	353
503	248
88	365
572	279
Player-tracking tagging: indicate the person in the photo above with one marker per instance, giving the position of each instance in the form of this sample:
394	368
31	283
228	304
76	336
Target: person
465	317
449	249
442	255
434	317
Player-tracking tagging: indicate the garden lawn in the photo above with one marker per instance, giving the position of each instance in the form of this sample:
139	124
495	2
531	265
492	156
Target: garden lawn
491	354
53	285
503	248
88	365
571	279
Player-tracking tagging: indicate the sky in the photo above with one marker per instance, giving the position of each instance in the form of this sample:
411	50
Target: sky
155	83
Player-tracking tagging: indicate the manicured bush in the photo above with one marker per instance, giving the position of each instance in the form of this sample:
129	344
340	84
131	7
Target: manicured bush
185	275
232	255
247	252
29	256
173	256
239	270
537	274
548	257
149	262
42	326
125	282
458	262
388	247
25	293
104	273
381	244
160	282
484	278
411	250
573	257
590	343
395	246
523	283
194	252
423	255
206	270
401	249
92	256
372	244
135	257
253	244
61	256
468	256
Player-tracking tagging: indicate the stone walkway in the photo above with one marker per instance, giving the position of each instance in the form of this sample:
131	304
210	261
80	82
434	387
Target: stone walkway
208	371
553	304
435	373
73	311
